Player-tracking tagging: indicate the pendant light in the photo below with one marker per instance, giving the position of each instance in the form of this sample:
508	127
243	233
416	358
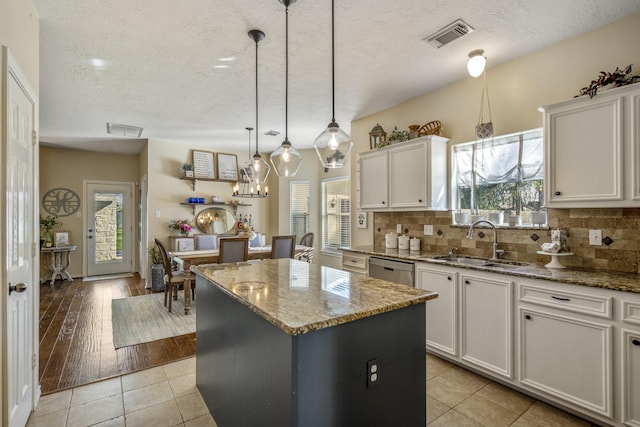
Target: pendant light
285	159
247	187
258	168
333	145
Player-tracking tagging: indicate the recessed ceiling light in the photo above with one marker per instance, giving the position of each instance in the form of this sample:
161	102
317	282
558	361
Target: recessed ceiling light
220	66
227	59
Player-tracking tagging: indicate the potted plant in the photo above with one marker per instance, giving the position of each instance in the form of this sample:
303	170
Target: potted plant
398	135
47	225
157	269
187	170
609	80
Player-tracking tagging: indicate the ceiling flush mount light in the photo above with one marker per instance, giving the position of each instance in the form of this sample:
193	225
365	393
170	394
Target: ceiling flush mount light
127	131
333	145
247	187
285	159
476	63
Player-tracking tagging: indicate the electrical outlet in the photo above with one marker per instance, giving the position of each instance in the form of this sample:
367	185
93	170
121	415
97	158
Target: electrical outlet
373	372
399	228
428	230
595	237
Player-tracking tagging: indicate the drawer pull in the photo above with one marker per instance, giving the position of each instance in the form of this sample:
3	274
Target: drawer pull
527	316
354	260
560	298
635	342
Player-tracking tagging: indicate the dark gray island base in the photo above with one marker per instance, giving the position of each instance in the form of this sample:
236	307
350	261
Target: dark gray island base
287	343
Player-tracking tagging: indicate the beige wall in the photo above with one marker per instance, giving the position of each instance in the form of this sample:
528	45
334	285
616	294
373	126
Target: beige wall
517	89
67	169
167	190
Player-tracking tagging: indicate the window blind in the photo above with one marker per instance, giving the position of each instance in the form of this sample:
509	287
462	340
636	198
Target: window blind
299	208
336	213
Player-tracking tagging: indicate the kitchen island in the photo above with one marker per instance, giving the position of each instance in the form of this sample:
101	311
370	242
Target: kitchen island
288	343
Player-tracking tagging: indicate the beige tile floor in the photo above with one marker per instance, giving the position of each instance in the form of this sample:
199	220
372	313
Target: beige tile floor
167	396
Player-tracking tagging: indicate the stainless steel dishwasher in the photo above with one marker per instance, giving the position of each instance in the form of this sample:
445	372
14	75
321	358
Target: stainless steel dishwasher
393	270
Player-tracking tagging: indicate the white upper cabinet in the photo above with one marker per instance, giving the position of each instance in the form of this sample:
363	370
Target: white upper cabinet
406	176
592	155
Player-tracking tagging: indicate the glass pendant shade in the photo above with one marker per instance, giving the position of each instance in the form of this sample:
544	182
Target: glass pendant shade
476	63
333	146
286	160
260	169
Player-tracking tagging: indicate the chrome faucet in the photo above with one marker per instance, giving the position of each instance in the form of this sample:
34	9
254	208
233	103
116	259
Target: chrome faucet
495	252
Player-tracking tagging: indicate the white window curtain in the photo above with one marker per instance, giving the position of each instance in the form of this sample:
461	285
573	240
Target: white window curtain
336	213
299	208
514	158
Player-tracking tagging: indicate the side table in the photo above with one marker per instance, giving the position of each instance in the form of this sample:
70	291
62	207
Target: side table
53	260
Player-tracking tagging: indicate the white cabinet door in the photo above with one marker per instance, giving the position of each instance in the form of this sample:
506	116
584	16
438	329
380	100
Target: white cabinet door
442	312
407	176
631	377
567	357
373	180
486	322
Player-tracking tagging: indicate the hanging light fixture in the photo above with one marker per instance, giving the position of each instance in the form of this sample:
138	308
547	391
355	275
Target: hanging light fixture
259	167
333	145
476	63
285	159
247	187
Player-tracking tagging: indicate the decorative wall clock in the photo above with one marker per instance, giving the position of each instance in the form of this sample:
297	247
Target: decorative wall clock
60	202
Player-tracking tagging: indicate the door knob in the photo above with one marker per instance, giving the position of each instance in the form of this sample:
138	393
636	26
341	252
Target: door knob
20	287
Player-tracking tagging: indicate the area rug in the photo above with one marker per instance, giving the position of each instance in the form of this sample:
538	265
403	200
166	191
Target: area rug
141	319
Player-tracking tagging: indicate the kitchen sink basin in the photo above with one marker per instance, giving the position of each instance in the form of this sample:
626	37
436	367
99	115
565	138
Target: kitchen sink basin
479	262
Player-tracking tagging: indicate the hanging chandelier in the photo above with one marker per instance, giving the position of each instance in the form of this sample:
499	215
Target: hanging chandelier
333	145
285	159
247	187
257	169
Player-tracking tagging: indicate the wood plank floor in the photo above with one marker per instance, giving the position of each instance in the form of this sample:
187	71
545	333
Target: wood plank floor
76	337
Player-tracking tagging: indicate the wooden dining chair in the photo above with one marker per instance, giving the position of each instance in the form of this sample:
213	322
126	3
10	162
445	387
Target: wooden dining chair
234	249
283	246
205	241
307	254
173	279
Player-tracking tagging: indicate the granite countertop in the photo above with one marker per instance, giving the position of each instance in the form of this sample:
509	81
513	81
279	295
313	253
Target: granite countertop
618	281
299	297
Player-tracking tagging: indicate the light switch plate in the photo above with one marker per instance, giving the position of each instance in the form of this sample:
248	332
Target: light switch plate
157	214
399	228
428	230
595	237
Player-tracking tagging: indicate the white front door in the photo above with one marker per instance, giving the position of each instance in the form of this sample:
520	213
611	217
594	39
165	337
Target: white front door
109	227
19	244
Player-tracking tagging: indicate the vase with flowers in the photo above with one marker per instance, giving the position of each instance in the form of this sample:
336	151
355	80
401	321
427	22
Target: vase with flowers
182	226
47	225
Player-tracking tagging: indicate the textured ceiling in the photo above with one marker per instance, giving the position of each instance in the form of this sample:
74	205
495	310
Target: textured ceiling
152	63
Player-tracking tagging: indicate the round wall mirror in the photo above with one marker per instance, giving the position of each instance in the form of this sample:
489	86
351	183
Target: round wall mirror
215	221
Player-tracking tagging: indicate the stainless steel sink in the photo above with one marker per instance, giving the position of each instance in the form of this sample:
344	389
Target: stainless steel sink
479	262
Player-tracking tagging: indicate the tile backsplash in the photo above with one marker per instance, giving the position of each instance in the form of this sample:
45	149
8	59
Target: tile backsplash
620	229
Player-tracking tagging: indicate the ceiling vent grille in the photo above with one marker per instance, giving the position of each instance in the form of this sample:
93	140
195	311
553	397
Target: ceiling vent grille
128	131
447	34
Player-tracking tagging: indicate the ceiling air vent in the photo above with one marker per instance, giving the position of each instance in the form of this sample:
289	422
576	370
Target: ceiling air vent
128	131
447	34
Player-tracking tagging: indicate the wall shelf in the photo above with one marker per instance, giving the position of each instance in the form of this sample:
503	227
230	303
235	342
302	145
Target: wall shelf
232	205
194	181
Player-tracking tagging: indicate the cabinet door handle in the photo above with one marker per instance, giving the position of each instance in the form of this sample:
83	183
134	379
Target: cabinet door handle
383	202
635	342
558	193
528	317
449	278
419	200
466	282
560	298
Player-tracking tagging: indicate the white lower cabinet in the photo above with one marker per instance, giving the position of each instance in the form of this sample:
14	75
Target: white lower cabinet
442	313
486	323
567	357
355	262
631	377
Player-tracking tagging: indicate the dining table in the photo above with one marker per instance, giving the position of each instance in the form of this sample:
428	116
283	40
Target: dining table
210	256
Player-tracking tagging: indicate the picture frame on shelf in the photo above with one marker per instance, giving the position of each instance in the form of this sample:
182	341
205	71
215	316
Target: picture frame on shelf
61	239
227	167
203	164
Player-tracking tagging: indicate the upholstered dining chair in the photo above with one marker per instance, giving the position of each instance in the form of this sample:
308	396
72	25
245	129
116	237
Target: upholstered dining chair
234	249
307	254
283	246
205	241
173	279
